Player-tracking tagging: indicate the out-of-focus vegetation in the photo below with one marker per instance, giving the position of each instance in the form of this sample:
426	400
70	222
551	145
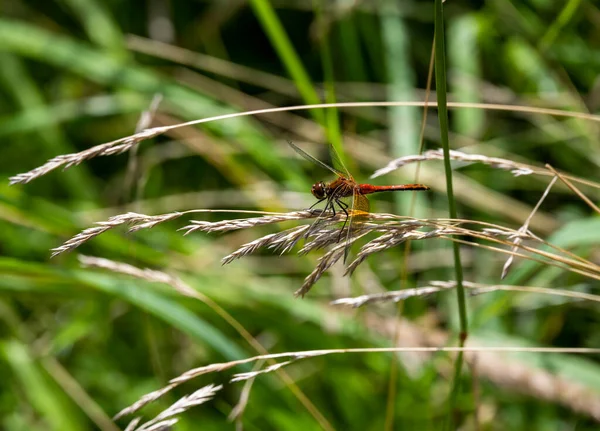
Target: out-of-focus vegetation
78	345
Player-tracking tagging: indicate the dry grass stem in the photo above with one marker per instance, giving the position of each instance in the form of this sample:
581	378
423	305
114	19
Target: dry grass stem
517	169
147	116
475	289
392	230
291	357
183	288
294	356
504	371
482	288
329	234
67	160
238	410
589	268
133	424
252	374
166	425
217	367
144	274
166	419
525	228
574	189
325	262
137	222
393	239
146	399
229	225
134	220
392	296
143	123
497	368
124	144
498	372
281	242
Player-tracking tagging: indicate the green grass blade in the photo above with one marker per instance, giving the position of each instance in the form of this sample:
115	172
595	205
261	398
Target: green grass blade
404	121
566	15
166	309
18	82
349	42
288	55
43	396
464	61
31	41
440	82
293	64
332	122
41	117
100	27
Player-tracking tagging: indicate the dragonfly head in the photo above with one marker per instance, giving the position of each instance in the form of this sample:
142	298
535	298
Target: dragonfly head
318	190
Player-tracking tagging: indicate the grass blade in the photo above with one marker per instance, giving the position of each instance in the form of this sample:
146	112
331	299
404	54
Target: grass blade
288	55
440	82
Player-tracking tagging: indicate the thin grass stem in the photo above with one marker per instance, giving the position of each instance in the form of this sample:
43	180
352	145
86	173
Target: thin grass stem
126	143
440	82
291	60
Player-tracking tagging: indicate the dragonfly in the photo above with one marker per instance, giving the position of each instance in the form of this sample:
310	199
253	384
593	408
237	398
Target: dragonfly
344	194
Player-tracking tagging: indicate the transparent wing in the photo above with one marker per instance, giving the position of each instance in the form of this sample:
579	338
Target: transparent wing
338	164
317	161
359	209
361	203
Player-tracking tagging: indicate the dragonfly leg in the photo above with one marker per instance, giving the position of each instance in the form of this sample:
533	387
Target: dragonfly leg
332	199
317	203
315	224
344	207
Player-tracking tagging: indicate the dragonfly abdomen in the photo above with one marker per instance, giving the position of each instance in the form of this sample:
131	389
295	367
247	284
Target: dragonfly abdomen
366	189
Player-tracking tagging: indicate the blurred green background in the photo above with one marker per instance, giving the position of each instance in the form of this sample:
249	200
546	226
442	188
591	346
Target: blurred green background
78	345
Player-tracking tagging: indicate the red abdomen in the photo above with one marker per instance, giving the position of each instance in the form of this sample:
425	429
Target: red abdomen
366	189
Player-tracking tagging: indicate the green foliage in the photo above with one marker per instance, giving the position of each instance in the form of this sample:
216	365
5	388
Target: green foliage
77	345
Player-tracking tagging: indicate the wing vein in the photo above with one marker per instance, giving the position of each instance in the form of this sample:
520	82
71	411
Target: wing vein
314	160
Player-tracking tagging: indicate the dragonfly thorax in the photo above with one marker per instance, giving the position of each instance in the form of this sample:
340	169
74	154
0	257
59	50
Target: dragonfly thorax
318	190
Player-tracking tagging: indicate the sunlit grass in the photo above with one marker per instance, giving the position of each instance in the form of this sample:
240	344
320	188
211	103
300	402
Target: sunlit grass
84	343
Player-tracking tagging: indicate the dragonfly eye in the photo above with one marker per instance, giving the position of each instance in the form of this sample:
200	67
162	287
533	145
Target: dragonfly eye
318	190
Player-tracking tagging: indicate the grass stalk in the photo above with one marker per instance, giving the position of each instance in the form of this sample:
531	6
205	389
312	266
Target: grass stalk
328	119
332	123
440	81
285	50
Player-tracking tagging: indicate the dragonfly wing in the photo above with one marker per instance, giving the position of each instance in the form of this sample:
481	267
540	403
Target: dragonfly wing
314	160
361	203
359	208
338	164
